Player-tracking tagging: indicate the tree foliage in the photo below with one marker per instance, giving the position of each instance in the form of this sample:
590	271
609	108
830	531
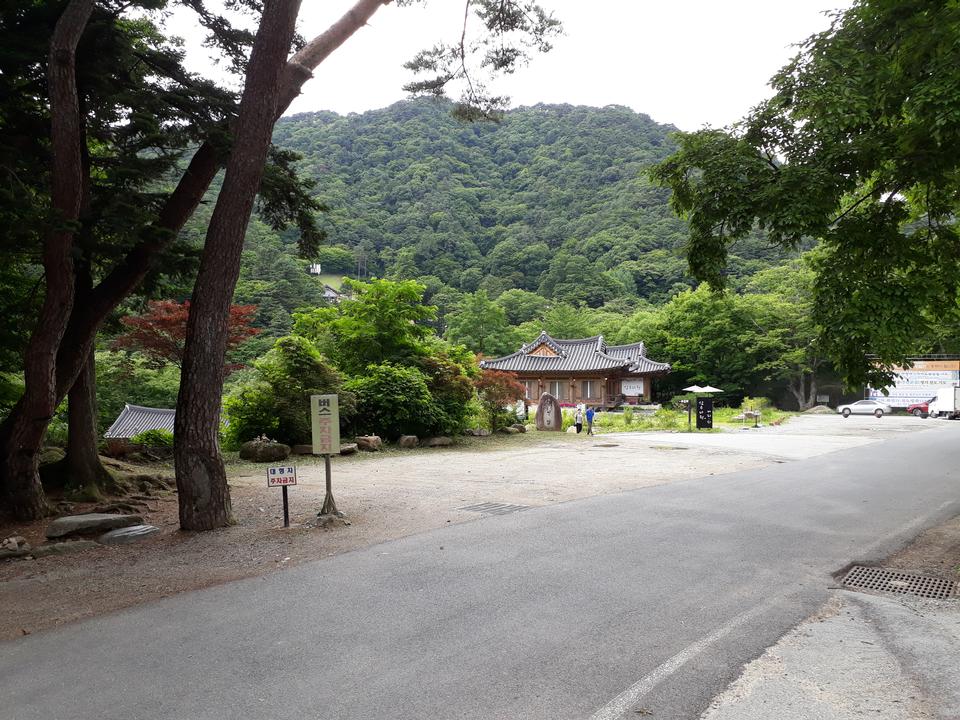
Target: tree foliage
858	147
496	390
160	333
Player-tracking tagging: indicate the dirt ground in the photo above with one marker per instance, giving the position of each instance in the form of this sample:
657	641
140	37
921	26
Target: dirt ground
384	496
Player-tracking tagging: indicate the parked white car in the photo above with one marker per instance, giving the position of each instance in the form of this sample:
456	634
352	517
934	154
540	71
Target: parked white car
865	407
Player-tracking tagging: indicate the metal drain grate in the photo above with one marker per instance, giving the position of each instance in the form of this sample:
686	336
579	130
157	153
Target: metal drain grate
491	508
898	582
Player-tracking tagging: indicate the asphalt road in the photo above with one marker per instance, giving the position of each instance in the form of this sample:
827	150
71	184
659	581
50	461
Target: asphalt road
649	600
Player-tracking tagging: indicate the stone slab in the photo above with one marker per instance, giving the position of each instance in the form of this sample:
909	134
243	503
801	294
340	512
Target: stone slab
89	523
127	535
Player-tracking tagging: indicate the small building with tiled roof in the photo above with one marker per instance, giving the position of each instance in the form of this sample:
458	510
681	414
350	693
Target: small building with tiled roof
582	371
136	419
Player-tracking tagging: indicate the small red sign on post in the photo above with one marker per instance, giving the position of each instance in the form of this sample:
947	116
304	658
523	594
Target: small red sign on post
281	476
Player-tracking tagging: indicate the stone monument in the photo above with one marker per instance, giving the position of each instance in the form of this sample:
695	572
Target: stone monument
549	416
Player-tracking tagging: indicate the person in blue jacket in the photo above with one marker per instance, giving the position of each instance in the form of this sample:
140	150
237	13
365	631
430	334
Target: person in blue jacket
590	421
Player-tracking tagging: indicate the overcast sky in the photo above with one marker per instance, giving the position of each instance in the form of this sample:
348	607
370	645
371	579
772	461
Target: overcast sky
686	62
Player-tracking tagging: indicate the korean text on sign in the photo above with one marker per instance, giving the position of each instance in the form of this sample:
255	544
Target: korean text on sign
281	476
325	422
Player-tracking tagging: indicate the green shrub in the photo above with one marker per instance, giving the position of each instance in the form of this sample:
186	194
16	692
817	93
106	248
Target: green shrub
393	401
276	401
628	415
153	439
760	403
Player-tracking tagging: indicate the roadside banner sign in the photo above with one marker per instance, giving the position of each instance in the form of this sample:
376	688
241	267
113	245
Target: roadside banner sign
325	423
281	476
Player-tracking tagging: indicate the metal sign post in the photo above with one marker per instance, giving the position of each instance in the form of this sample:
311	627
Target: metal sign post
325	422
283	477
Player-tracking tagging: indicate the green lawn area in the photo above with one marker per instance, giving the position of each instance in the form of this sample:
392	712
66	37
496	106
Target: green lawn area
665	419
333	280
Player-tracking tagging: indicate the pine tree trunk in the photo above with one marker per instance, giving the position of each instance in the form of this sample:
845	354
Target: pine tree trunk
201	478
82	464
85	320
21	479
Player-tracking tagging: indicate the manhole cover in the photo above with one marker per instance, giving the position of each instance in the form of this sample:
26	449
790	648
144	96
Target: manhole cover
668	447
607	445
898	582
491	508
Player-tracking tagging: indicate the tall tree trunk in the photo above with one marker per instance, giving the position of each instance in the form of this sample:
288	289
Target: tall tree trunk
201	479
82	466
39	401
87	317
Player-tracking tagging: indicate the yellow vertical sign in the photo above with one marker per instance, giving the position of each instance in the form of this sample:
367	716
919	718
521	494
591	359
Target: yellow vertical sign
325	421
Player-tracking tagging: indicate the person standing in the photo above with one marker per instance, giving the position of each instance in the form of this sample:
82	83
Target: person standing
590	415
578	420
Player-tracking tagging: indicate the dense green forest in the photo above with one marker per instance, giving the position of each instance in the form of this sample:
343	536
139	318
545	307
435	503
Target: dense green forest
553	199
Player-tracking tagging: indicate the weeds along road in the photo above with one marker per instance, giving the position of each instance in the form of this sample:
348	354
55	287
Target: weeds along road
651	599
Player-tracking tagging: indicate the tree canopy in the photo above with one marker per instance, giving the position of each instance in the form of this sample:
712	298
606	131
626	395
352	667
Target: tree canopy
857	148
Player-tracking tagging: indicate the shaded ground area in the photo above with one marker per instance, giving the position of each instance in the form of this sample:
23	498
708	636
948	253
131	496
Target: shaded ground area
387	496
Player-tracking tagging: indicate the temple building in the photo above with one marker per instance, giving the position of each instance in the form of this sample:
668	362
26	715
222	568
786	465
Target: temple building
584	371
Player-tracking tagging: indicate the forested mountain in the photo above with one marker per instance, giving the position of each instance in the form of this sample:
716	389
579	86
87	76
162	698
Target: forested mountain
553	199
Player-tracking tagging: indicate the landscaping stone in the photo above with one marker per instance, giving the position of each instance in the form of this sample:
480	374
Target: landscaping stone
89	523
477	432
520	427
260	451
14	546
127	535
408	441
549	414
441	441
509	431
369	443
50	455
348	448
63	548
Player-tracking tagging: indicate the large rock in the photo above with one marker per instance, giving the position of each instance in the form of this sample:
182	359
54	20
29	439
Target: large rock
441	441
348	448
549	415
477	432
90	523
408	441
509	430
369	443
260	451
520	427
127	535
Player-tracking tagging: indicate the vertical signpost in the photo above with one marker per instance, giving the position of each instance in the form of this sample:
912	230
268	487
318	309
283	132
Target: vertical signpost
704	413
325	422
283	476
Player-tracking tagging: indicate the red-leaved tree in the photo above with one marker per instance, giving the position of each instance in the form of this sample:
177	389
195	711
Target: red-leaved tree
497	389
161	332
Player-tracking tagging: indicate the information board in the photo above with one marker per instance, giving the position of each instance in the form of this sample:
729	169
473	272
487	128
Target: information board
325	422
632	387
918	383
704	413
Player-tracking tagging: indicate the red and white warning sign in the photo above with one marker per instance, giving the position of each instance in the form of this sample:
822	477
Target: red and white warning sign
281	476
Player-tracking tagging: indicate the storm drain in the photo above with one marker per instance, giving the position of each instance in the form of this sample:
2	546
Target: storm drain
491	508
898	582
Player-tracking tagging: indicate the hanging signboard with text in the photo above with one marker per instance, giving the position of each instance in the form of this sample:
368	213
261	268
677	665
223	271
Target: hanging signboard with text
325	422
632	387
918	383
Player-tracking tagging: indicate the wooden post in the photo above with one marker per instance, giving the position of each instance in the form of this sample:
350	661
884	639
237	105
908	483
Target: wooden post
603	394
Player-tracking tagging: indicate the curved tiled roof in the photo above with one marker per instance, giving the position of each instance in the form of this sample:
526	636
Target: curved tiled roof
135	419
581	355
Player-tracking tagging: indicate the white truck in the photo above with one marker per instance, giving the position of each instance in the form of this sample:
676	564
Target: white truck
947	403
